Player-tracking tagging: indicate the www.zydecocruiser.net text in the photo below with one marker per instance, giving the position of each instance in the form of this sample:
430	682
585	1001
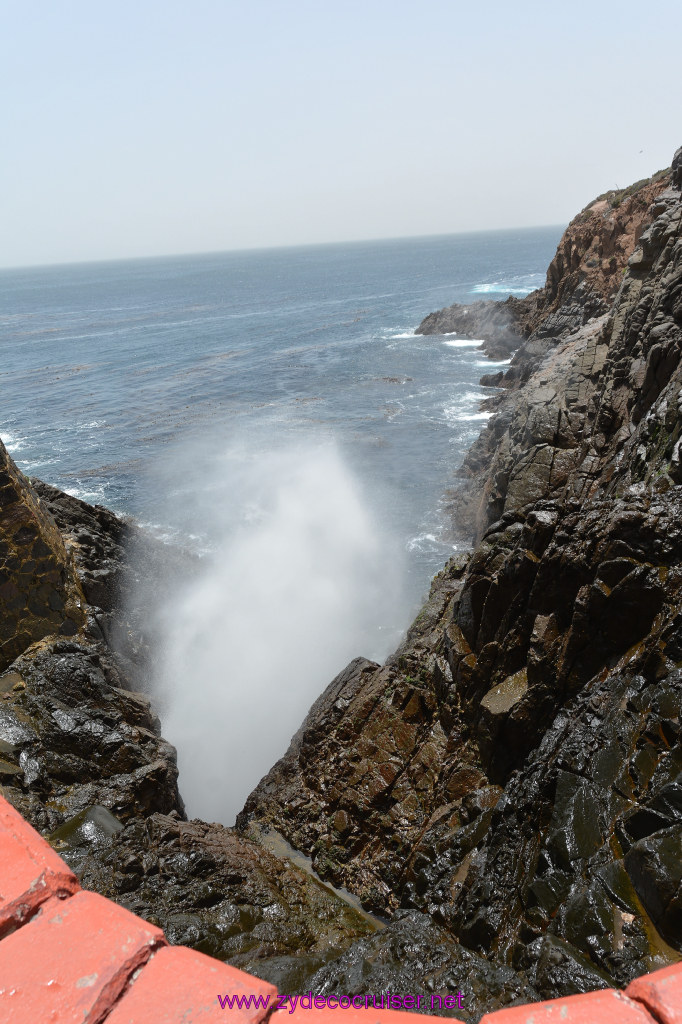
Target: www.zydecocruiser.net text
384	1001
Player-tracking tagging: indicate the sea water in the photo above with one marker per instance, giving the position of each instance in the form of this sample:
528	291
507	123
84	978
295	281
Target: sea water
275	411
107	366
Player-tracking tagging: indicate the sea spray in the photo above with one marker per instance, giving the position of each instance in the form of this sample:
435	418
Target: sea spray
297	580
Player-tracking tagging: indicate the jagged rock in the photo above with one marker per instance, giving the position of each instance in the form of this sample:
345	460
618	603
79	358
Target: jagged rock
582	279
77	736
654	864
367	762
215	891
119	566
414	955
39	591
514	770
496	323
595	410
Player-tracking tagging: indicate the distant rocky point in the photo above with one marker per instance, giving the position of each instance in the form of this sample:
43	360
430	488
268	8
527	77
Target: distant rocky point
582	279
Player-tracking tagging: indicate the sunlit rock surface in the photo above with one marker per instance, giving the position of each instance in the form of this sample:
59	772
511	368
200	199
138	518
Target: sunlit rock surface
39	592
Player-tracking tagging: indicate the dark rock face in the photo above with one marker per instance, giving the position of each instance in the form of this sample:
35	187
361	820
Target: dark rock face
554	644
215	891
415	955
676	169
593	411
512	772
119	567
563	856
362	777
75	736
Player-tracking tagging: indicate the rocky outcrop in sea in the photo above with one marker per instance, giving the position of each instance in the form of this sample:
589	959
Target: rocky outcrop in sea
504	794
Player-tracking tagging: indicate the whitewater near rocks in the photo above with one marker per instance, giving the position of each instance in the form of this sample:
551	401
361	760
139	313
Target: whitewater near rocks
504	793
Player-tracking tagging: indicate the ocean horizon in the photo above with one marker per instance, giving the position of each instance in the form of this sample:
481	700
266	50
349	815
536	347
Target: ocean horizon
559	228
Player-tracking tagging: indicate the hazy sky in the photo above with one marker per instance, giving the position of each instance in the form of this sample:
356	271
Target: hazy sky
170	126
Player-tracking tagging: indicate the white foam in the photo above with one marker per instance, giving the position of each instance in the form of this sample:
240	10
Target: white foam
405	335
421	542
12	442
92	425
493	362
465	343
522	285
30	465
463	408
96	496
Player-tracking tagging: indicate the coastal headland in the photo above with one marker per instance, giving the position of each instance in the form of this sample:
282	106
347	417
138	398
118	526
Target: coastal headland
496	810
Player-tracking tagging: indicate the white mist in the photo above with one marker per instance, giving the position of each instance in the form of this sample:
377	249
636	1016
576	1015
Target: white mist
299	580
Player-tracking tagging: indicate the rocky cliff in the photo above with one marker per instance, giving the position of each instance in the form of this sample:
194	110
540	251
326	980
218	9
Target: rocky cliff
82	755
582	279
512	771
505	792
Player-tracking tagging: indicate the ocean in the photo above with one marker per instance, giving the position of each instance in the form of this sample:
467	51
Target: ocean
108	366
275	411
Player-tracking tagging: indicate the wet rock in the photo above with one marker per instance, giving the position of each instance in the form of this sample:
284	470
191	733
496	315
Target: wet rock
371	753
501	699
559	967
214	891
654	865
80	738
512	772
120	568
91	826
414	956
561	839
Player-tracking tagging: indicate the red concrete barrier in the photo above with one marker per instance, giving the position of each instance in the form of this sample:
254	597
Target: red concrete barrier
604	1007
661	993
73	960
73	957
31	872
181	985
